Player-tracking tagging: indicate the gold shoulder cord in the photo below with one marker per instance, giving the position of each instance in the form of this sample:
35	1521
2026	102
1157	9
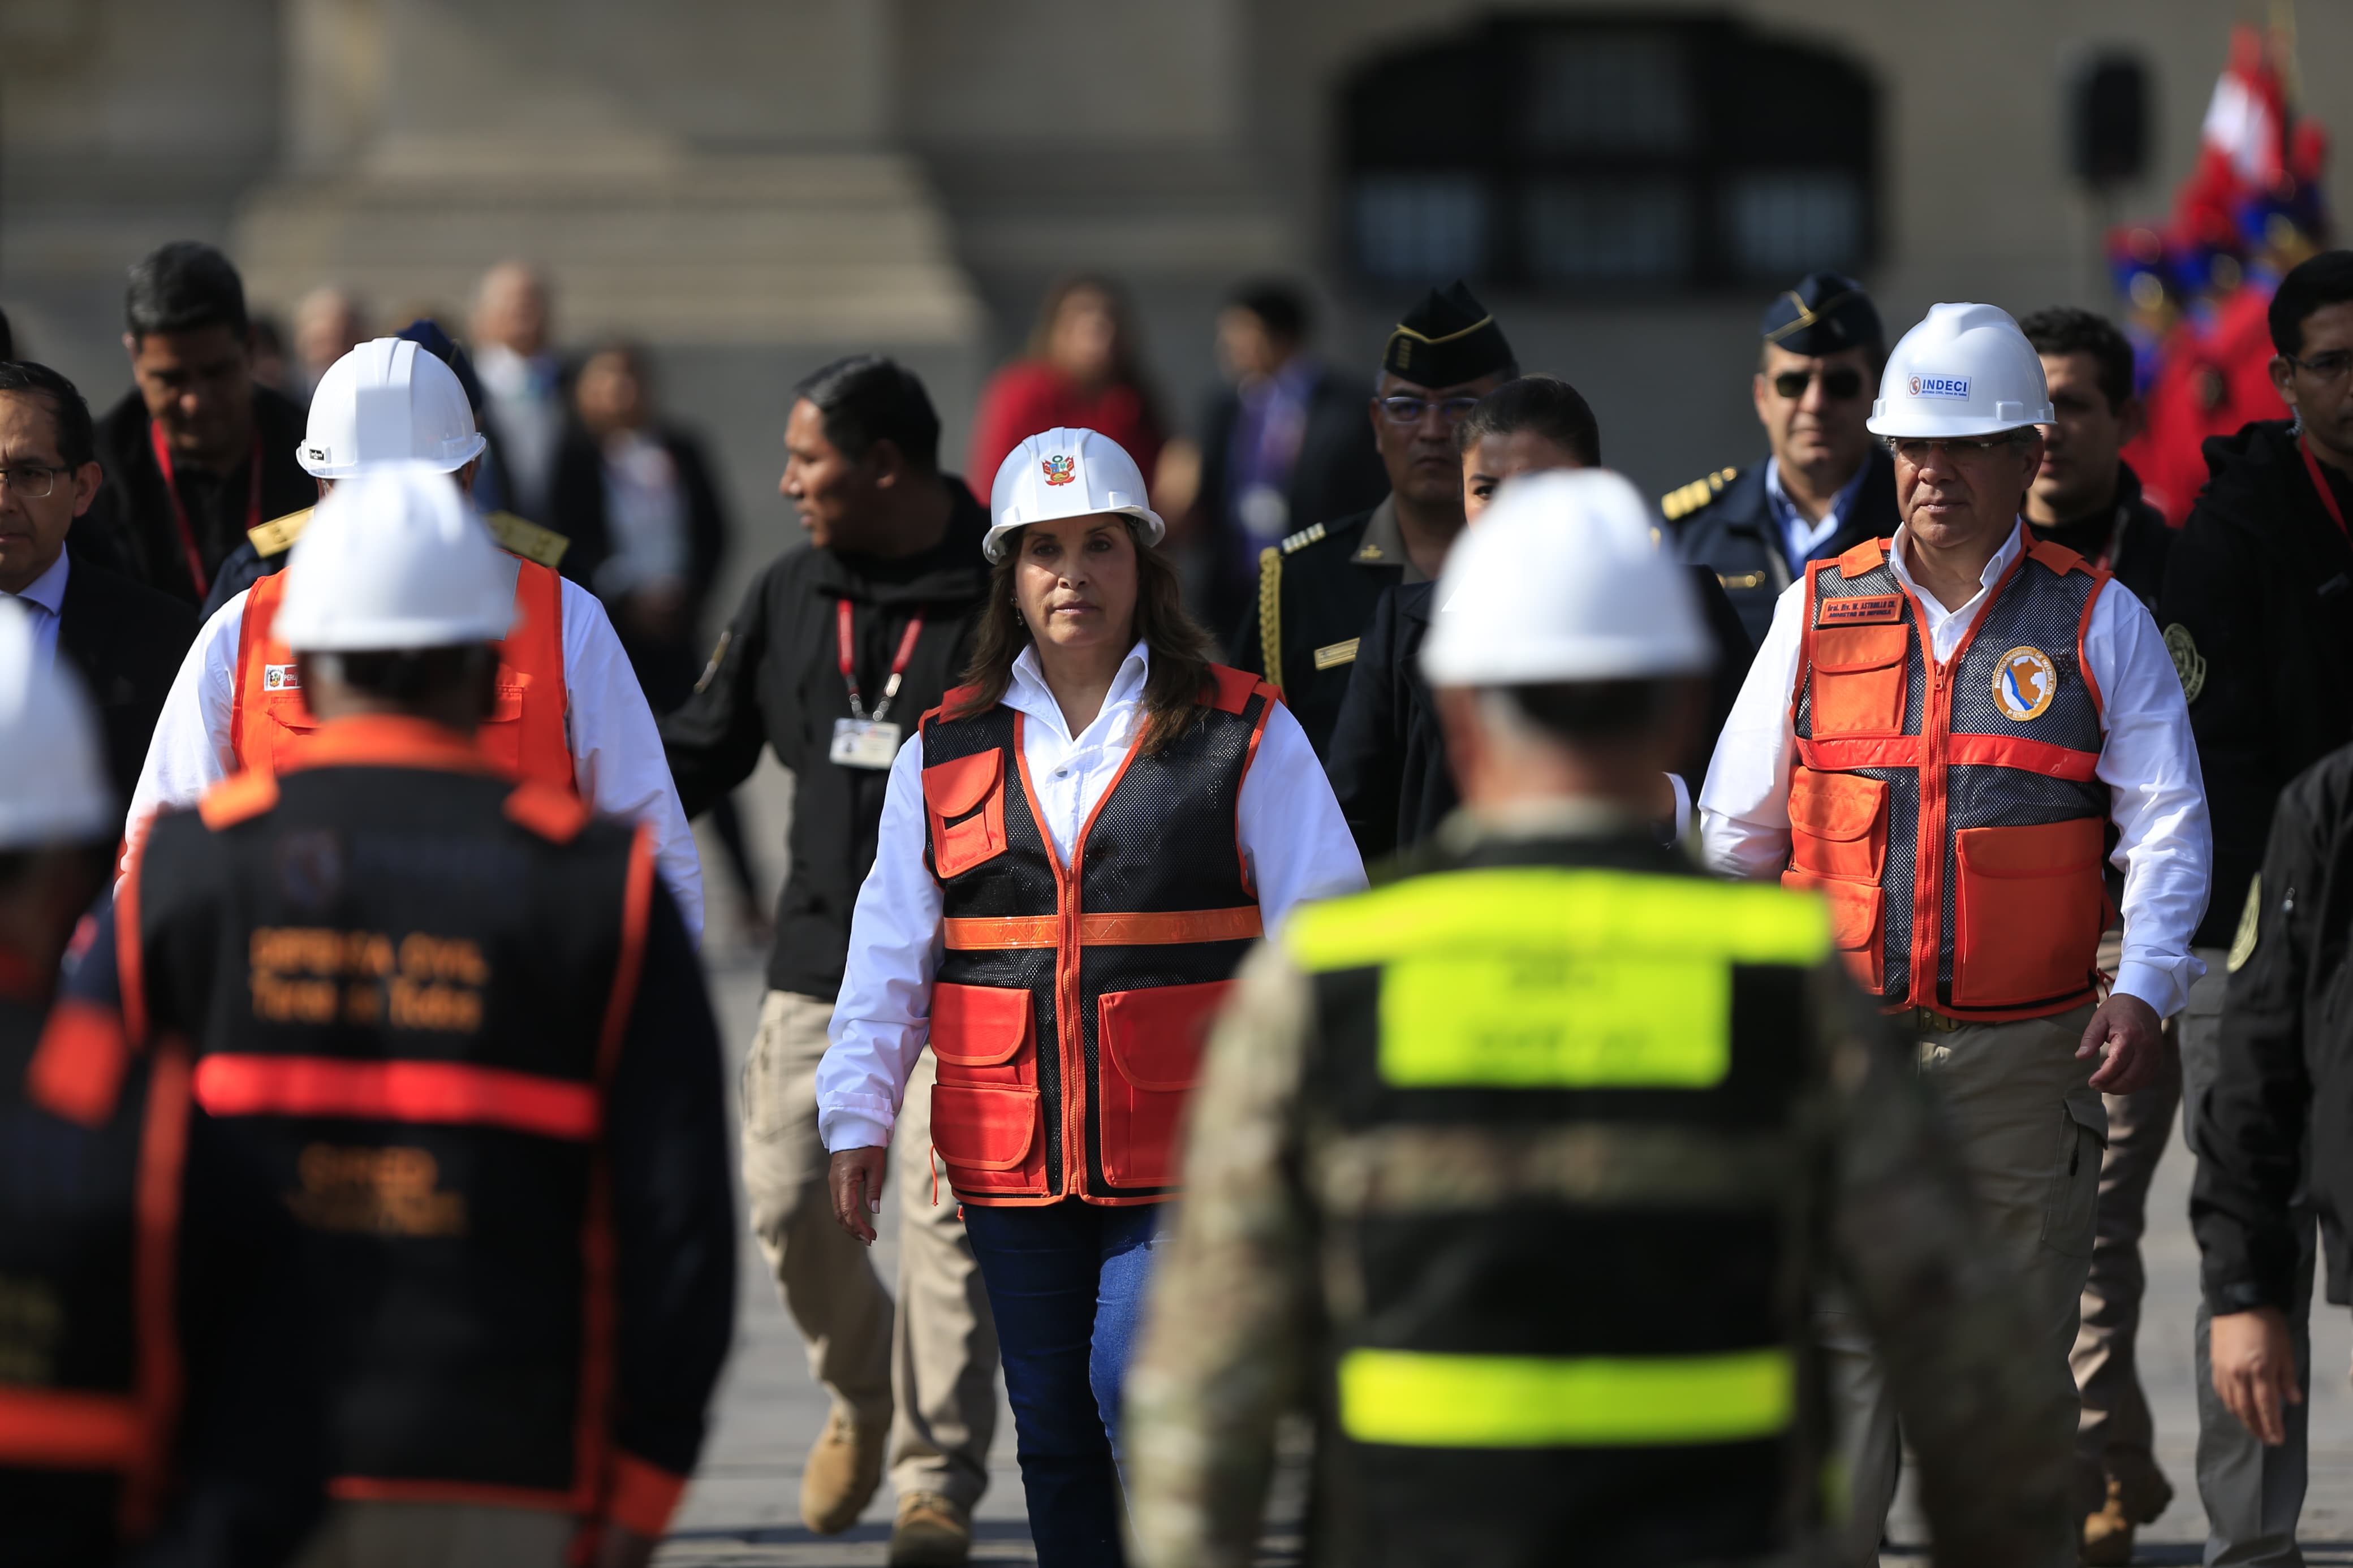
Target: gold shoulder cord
1270	614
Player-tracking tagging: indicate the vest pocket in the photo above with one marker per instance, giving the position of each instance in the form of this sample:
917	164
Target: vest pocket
1152	1043
2028	908
499	738
1856	918
978	1033
1859	677
965	799
988	1134
291	726
1838	825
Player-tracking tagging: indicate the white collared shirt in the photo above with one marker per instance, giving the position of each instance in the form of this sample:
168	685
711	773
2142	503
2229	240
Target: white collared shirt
617	762
1801	536
1291	836
45	596
2165	843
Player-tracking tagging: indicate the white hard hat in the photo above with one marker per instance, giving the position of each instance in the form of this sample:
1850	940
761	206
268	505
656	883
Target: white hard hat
1067	473
1561	581
1965	370
388	401
395	558
53	787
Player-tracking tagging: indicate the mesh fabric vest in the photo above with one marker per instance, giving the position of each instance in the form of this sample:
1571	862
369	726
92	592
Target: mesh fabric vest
1072	1000
1952	813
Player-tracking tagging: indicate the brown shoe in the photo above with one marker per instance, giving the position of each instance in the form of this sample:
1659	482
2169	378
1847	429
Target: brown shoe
2108	1534
932	1531
842	1471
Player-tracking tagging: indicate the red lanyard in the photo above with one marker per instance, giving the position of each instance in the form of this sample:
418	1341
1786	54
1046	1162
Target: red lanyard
841	625
2320	483
163	447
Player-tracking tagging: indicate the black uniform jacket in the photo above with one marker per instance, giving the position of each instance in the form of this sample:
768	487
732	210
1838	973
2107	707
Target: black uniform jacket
2282	1104
2131	538
1725	523
127	641
2257	611
131	526
1387	760
774	680
1316	592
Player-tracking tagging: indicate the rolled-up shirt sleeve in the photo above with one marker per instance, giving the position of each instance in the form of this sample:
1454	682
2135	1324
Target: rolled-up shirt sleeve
1744	807
1297	843
882	1016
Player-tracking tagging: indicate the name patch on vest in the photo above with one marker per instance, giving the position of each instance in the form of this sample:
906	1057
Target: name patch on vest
1874	609
281	677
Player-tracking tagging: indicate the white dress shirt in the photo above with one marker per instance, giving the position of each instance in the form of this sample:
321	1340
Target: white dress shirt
1292	832
617	753
2148	759
45	596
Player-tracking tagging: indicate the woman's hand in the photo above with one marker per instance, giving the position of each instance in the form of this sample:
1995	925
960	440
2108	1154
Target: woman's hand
855	1176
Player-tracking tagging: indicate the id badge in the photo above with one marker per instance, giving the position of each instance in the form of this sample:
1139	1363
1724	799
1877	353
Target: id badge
864	742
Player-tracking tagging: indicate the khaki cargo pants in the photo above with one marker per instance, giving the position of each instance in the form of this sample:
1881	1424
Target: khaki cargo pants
930	1367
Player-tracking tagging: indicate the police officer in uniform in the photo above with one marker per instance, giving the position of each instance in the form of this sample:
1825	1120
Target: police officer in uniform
156	1399
459	1022
1526	1168
1827	485
1317	589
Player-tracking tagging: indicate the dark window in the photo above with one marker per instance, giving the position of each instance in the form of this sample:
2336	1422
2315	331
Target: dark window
1583	153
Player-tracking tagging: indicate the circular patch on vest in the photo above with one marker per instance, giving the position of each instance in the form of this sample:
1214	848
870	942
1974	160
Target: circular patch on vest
2024	683
2188	662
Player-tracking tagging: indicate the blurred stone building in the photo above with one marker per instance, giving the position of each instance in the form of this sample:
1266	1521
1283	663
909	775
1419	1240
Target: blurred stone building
753	186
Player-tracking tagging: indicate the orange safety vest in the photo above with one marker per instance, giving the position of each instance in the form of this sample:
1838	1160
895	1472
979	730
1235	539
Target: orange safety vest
1951	813
271	725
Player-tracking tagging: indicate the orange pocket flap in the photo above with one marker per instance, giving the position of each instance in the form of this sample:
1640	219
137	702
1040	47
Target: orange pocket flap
979	1026
1839	650
1834	805
286	707
983	1126
1855	906
953	788
1156	1037
2044	849
507	707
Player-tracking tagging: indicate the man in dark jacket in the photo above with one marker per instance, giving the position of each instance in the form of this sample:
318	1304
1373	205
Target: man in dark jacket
1827	485
2258	613
2085	495
196	454
1285	445
835	652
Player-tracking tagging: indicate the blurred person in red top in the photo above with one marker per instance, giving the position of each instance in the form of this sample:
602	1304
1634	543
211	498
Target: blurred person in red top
1082	369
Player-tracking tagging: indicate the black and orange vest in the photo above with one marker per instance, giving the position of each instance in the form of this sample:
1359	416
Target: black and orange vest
410	977
1951	813
270	723
1071	1001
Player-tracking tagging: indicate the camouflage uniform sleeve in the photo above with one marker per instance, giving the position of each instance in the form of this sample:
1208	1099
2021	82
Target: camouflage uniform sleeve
1948	1323
1226	1332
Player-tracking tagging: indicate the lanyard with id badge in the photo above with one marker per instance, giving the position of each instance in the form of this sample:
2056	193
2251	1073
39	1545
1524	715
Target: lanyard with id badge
865	740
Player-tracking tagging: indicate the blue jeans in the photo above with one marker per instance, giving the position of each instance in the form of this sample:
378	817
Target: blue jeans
1066	1285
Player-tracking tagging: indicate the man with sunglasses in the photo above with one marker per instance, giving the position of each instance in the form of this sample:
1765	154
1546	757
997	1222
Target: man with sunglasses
1938	735
1827	486
2258	613
1318	588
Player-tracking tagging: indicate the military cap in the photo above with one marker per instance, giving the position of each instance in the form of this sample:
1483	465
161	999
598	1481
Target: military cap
1826	311
1446	340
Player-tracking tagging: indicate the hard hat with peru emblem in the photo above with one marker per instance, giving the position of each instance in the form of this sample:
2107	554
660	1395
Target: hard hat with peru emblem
1067	473
1965	370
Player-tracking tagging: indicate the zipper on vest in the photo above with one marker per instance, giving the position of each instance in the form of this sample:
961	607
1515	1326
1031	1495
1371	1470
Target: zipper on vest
1928	853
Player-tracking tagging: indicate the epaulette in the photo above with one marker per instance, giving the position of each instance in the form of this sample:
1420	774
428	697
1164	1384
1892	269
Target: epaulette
1303	538
520	536
1677	504
277	536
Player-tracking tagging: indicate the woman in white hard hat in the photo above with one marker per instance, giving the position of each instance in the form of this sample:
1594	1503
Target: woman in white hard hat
1076	850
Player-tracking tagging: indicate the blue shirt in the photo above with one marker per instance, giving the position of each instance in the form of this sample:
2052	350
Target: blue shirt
45	596
1799	537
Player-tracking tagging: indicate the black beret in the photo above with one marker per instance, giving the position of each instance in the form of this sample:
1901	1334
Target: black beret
1824	313
1446	340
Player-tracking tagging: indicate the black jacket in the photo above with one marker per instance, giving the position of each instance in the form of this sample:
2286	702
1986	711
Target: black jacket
2258	613
131	526
1314	598
1338	471
2282	1104
2131	538
1387	763
127	641
774	680
1725	523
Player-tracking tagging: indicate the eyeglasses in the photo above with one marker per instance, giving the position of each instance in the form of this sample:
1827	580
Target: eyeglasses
1409	410
2330	366
31	481
1913	450
1840	383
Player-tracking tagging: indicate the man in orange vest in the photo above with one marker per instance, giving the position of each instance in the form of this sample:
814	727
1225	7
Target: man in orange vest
1938	734
569	711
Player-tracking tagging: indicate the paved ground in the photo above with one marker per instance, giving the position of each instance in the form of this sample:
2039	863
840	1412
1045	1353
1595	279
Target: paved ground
743	1508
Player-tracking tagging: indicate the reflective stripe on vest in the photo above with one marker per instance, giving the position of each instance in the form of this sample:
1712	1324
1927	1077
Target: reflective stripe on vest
270	724
1419	1400
42	1429
455	1093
